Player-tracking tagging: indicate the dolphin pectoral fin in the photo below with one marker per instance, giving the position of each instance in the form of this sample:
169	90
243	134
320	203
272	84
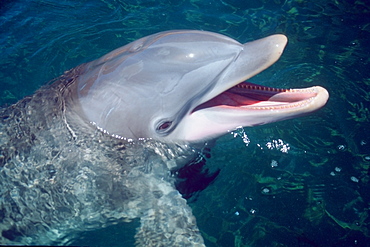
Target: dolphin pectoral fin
169	222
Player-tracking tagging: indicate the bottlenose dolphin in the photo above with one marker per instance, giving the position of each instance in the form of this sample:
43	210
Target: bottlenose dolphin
96	146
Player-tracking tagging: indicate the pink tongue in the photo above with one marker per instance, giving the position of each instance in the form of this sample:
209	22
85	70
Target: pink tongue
229	99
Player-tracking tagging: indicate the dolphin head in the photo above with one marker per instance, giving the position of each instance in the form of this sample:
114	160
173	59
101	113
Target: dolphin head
187	86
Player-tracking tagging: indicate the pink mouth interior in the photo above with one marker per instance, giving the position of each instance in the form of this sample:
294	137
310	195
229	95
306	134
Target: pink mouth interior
251	96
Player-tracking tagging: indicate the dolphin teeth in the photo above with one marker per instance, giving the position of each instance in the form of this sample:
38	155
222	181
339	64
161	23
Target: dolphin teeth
251	86
275	105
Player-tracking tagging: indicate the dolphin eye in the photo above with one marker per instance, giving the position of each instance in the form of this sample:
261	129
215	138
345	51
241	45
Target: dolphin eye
164	126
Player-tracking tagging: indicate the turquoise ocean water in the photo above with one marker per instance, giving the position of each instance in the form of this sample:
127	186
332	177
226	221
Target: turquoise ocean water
301	182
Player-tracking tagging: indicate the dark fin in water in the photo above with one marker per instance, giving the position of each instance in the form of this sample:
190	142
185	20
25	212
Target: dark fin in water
193	178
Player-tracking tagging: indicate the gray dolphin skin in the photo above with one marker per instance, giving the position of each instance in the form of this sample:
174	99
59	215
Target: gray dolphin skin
97	146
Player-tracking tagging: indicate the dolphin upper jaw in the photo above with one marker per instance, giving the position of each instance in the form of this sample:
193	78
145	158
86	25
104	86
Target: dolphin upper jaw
252	58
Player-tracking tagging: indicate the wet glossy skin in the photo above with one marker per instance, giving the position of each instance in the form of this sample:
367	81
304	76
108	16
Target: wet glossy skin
171	86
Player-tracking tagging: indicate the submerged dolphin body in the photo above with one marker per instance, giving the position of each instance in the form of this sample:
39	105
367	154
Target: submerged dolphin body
97	146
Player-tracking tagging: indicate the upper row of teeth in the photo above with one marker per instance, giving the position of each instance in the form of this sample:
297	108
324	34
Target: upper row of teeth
253	87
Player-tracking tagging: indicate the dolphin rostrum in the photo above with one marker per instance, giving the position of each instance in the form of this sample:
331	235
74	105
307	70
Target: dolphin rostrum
96	147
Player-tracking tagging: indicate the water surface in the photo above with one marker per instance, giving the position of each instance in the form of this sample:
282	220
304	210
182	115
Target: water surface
301	182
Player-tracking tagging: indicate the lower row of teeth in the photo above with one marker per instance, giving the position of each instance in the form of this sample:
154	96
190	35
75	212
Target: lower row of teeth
284	106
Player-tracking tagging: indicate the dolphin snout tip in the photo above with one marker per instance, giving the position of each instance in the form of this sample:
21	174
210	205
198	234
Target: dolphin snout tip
323	95
279	40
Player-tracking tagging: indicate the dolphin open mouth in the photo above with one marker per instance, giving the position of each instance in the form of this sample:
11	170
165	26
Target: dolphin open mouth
248	96
247	104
